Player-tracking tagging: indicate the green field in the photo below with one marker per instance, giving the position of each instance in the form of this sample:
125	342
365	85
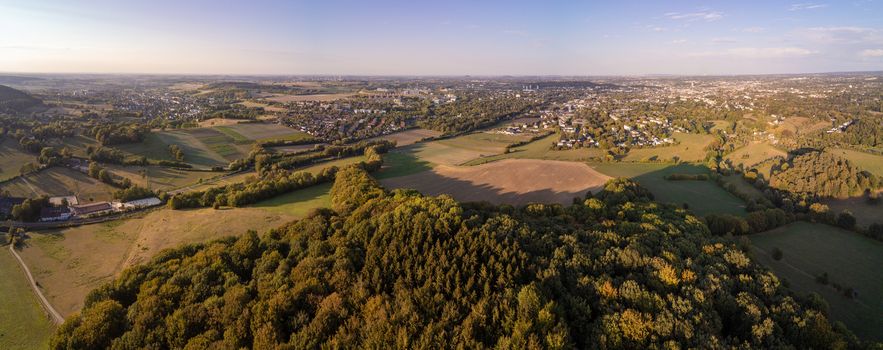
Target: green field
461	149
161	178
58	181
247	132
236	136
850	260
691	148
200	146
867	161
299	203
702	197
12	158
753	154
23	323
865	213
542	149
397	163
742	186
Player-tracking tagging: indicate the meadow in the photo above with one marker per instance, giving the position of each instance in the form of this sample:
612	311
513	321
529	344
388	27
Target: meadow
408	137
247	132
57	181
542	149
462	149
161	178
851	260
873	163
23	322
196	152
753	154
690	148
702	197
12	158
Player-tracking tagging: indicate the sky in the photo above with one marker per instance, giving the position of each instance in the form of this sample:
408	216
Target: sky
450	37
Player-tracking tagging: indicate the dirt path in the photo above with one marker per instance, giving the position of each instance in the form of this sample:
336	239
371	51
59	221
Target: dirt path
54	316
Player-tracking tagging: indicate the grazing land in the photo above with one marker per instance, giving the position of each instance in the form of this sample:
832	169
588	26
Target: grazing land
23	322
65	263
408	137
851	260
702	197
867	161
161	178
461	149
511	181
691	148
12	158
195	143
542	149
245	132
57	181
742	186
753	154
865	213
299	203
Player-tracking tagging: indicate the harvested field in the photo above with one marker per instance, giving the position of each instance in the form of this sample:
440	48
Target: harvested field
57	181
408	137
66	265
511	181
266	107
218	122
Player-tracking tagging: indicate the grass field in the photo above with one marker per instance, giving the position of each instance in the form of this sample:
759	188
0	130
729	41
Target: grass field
58	181
397	163
315	169
850	260
196	152
161	178
867	161
245	132
299	203
542	149
742	186
12	158
702	197
281	98
408	137
233	134
66	265
865	213
461	149
691	148
755	153
23	323
510	181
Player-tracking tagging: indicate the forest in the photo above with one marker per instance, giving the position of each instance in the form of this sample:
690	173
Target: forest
823	174
396	269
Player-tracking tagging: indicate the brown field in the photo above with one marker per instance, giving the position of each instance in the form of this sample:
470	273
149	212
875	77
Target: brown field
510	181
800	126
58	181
217	122
281	98
266	107
408	137
68	263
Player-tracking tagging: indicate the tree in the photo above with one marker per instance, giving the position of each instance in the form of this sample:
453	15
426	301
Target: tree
777	254
846	220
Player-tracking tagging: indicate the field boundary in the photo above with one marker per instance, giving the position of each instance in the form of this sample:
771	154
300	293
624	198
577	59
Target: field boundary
54	316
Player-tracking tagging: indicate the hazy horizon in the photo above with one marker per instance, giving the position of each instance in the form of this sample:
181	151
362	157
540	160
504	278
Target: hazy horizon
273	38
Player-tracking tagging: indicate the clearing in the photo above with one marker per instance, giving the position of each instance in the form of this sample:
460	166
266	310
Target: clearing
510	181
23	322
702	197
851	260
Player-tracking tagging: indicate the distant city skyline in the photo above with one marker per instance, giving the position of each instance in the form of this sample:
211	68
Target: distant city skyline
441	38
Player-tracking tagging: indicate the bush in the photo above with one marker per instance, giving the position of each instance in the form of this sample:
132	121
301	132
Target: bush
777	254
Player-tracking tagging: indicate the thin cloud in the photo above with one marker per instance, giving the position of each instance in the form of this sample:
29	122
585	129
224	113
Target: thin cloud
872	53
806	6
843	35
708	16
723	41
679	41
756	52
753	30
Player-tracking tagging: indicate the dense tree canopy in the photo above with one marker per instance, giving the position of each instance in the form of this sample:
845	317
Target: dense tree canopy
401	270
823	174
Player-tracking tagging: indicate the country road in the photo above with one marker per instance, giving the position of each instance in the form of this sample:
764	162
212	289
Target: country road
54	316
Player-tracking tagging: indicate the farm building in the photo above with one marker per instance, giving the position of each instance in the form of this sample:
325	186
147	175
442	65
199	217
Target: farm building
97	208
141	203
59	213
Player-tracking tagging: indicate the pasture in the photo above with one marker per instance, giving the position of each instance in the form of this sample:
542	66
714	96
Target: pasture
542	149
873	163
245	132
65	263
218	122
865	213
161	178
299	203
690	148
202	147
511	181
408	137
58	181
851	260
12	158
461	149
702	197
23	322
753	154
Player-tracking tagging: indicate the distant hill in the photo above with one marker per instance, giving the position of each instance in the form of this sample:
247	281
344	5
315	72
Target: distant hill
12	100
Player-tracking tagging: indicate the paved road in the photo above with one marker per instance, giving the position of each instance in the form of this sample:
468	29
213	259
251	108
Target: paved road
54	316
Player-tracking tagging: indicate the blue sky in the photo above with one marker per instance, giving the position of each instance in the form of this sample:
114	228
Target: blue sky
441	37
